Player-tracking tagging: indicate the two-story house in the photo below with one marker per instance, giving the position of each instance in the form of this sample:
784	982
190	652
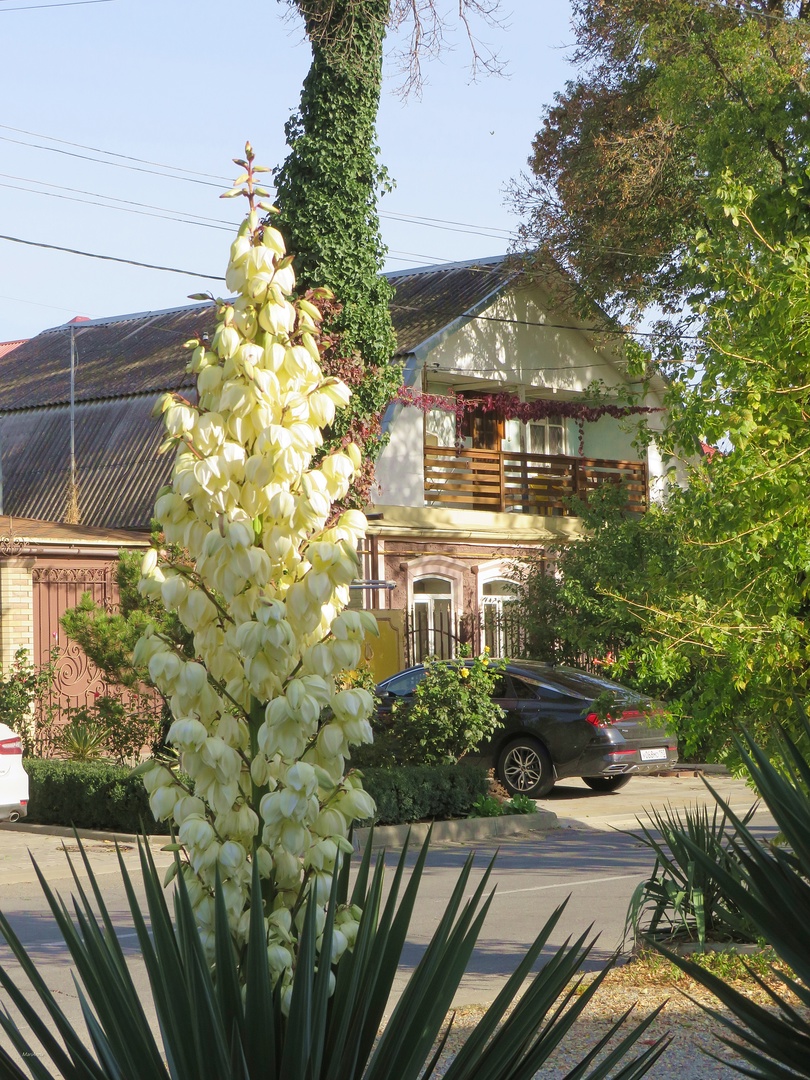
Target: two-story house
494	433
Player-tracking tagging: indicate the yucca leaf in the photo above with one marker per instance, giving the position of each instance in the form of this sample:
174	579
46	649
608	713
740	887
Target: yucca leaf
226	972
261	1011
468	1057
298	1035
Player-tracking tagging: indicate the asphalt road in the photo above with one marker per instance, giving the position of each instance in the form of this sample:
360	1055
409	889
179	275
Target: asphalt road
585	860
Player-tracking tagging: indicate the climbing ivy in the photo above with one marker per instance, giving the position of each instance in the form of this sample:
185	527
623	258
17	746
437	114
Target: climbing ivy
327	192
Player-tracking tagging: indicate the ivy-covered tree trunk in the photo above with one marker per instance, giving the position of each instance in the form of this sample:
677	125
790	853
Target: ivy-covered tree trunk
327	193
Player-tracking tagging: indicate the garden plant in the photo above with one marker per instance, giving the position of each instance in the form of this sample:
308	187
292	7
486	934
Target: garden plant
452	710
769	884
682	899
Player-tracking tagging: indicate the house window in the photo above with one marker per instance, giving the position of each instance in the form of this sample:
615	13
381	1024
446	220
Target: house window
535	437
433	629
500	617
546	436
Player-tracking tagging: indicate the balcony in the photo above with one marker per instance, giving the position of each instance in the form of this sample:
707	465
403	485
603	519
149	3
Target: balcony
512	483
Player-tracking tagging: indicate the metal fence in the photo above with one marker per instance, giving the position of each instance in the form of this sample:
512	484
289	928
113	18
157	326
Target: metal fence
500	629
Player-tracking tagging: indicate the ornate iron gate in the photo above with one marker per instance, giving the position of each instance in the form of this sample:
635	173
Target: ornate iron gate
55	589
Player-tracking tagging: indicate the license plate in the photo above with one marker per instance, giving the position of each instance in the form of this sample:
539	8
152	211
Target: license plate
657	753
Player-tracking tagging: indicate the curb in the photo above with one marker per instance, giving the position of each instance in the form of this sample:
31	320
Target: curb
460	830
83	834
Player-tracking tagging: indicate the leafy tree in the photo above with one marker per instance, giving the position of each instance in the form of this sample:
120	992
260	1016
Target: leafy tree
718	581
670	93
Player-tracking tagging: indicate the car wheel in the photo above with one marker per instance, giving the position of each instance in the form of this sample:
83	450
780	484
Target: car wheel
606	783
524	768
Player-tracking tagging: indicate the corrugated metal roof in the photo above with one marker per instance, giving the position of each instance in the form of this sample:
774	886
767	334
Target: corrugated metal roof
136	354
7	346
123	364
430	299
119	470
130	355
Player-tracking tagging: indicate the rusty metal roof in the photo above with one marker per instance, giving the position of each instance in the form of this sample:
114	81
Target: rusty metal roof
133	354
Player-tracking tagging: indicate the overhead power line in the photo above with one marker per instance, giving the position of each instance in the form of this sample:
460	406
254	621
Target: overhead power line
463	227
110	258
100	161
64	3
167	215
114	153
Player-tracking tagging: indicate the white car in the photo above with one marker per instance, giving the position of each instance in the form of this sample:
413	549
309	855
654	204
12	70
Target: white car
13	777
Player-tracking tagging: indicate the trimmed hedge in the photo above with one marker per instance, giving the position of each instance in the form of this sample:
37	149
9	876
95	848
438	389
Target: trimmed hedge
88	795
99	795
424	792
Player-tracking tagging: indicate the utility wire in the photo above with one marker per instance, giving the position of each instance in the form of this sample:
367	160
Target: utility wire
110	258
113	153
99	161
169	216
68	3
111	198
416	219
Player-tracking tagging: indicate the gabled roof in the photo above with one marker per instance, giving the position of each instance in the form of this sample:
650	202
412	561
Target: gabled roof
129	354
428	300
142	353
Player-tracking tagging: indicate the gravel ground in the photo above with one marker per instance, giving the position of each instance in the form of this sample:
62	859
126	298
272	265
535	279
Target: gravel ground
692	1030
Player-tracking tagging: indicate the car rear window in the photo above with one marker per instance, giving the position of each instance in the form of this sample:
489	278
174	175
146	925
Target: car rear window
581	683
592	685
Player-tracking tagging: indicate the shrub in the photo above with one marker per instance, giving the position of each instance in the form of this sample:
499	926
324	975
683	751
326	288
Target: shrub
424	792
683	897
452	710
25	691
88	795
124	728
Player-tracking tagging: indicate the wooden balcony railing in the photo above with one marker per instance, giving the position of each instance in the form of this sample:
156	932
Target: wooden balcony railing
505	482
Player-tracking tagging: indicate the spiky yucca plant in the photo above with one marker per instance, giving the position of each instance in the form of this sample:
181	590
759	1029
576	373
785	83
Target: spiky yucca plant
232	1023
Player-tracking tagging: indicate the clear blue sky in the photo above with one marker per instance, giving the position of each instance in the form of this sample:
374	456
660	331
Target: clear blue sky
185	84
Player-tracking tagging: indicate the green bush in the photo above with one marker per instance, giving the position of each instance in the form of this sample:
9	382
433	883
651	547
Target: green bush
424	792
88	795
451	711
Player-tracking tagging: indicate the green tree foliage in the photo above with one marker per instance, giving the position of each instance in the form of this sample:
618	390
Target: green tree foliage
717	583
669	94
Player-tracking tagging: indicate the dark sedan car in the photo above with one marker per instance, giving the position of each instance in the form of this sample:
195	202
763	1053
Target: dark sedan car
560	722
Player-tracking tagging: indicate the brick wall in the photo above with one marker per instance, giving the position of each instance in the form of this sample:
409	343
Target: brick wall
16	608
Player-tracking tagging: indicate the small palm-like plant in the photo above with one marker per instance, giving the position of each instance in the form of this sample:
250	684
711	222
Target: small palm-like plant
82	740
682	896
231	1022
